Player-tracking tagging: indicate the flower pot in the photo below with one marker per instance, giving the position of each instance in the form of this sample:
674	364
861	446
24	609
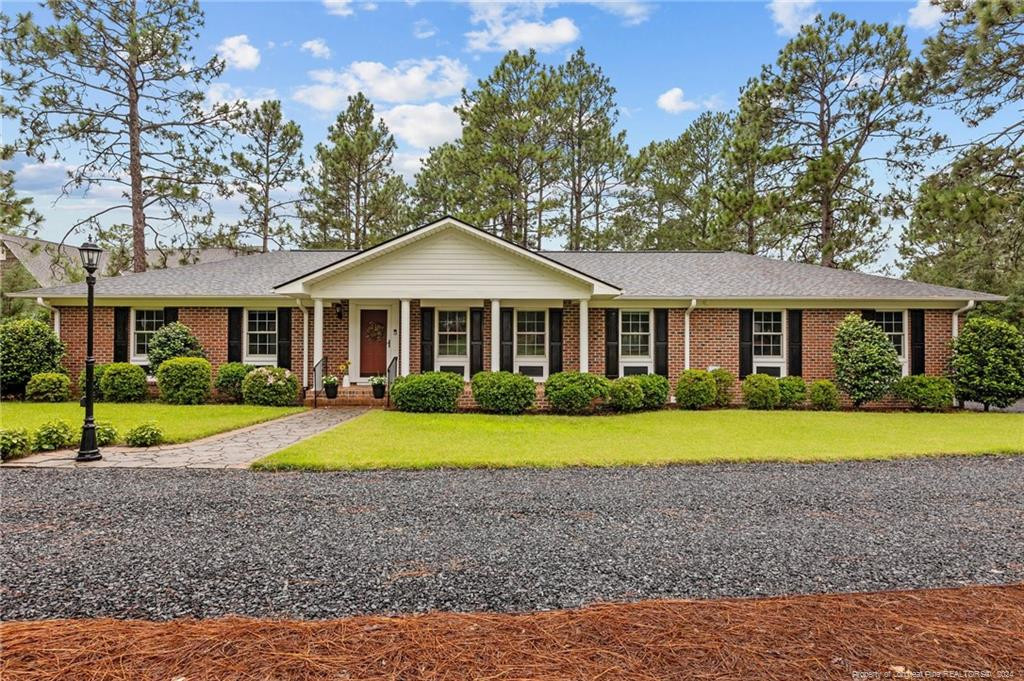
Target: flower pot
331	391
378	390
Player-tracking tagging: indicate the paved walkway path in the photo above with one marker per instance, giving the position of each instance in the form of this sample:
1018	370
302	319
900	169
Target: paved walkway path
233	449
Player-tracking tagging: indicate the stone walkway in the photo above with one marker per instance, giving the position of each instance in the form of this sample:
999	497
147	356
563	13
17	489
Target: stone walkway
233	449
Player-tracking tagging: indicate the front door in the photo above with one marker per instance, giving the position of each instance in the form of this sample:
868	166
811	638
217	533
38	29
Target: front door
373	342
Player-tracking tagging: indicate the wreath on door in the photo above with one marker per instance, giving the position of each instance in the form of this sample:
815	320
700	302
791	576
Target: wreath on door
375	331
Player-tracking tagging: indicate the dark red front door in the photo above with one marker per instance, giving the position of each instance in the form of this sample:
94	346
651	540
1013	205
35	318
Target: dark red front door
373	342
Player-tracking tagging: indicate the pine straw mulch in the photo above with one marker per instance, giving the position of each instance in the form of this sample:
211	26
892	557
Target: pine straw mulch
900	634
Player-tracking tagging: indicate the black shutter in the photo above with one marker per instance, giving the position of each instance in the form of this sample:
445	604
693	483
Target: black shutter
476	340
507	338
868	315
284	337
555	340
795	342
917	342
611	342
746	343
661	342
122	333
235	334
170	315
426	339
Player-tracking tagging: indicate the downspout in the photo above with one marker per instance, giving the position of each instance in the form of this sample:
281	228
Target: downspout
305	345
956	316
686	333
56	314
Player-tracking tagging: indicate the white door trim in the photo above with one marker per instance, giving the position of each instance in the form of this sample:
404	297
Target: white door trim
355	335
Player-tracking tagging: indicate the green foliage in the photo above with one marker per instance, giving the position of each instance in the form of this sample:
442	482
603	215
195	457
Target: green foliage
271	387
792	392
696	389
926	393
433	391
106	433
503	392
48	387
184	380
170	341
866	362
229	379
27	347
724	381
761	391
574	392
97	380
123	382
626	394
144	435
656	390
55	435
17	278
823	395
14	442
988	362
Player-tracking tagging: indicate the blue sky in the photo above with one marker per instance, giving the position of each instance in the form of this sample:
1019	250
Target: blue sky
669	62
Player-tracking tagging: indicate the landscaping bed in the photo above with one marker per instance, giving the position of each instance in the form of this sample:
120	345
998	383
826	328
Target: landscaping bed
968	631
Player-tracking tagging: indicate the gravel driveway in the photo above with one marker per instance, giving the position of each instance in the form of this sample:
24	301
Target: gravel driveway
172	543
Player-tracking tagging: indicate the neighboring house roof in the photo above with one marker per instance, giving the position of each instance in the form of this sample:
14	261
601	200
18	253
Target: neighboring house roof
37	256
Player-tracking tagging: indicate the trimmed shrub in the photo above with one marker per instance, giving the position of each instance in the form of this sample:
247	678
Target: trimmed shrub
823	395
27	347
696	389
656	390
574	392
503	392
723	385
14	442
761	391
184	380
55	435
170	341
270	387
229	379
48	387
626	394
925	393
144	435
988	362
97	379
867	365
106	433
792	392
430	392
123	382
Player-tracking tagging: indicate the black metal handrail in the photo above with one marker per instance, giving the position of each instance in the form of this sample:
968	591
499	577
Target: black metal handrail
392	375
318	378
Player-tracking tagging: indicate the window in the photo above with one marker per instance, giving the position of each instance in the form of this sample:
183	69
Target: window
530	333
891	322
145	325
261	334
635	333
452	336
767	334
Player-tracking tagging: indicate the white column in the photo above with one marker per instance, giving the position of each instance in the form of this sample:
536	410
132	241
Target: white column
318	330
584	336
305	346
495	335
406	329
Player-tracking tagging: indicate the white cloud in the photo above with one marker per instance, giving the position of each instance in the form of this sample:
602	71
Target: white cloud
424	125
423	29
226	93
408	81
45	177
631	12
369	6
674	102
317	47
517	26
790	15
713	103
239	53
341	8
407	164
925	15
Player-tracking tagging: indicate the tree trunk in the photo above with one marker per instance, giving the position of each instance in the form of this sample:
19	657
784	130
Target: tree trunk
135	165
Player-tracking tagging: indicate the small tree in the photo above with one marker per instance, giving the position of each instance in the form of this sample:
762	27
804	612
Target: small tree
867	365
170	341
27	347
988	362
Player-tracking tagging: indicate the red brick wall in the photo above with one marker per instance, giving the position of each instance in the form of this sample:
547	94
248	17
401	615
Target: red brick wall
715	339
335	338
571	335
73	330
415	337
595	339
819	330
210	326
676	343
938	341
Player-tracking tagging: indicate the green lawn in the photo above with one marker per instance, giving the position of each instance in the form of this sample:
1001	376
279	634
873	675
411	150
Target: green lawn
386	439
179	423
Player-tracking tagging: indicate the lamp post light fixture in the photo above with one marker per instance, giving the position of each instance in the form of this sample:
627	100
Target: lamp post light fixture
87	450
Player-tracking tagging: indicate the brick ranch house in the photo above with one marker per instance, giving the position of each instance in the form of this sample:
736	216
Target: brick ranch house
450	297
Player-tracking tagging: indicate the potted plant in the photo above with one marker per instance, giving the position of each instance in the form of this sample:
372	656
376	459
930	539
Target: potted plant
378	383
331	386
343	370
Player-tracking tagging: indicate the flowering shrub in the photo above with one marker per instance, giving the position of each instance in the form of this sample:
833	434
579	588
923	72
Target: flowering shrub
270	387
988	362
626	394
229	379
866	362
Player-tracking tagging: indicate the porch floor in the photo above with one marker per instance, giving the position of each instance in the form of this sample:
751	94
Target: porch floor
352	396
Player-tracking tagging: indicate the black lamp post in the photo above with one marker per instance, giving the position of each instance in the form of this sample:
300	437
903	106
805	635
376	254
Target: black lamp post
88	451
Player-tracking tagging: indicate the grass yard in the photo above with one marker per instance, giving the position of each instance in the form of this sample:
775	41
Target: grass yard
180	423
388	439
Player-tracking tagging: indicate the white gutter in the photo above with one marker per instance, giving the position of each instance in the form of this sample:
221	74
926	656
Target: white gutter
956	316
56	314
686	333
305	343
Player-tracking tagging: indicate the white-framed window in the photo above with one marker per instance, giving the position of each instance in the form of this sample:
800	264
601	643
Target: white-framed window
769	342
636	342
531	346
894	324
451	339
144	324
260	337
